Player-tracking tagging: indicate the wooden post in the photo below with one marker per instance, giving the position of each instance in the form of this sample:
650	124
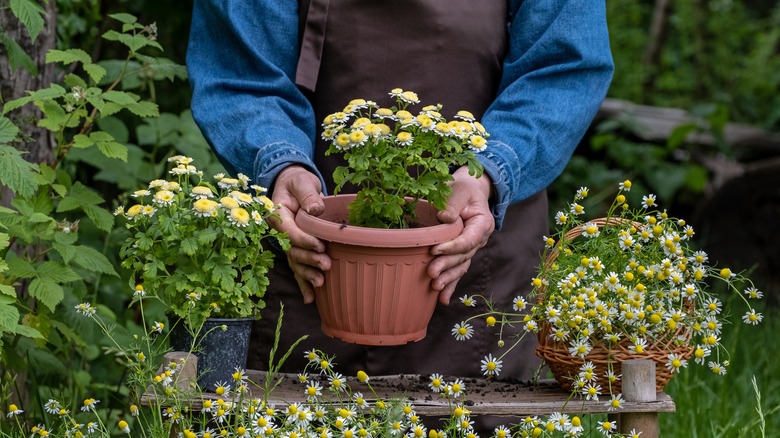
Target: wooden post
187	369
639	386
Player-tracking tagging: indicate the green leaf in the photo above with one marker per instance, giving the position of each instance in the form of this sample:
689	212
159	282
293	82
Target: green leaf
55	116
47	292
30	14
124	17
144	109
114	150
121	97
72	80
17	57
16	172
8	131
54	91
189	246
81	141
79	196
29	332
19	267
9	317
57	272
115	127
7	290
68	56
67	252
164	67
93	260
102	219
110	148
208	236
39	218
133	42
95	72
69	333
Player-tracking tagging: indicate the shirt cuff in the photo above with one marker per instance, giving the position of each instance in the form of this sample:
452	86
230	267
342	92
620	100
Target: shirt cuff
275	157
496	161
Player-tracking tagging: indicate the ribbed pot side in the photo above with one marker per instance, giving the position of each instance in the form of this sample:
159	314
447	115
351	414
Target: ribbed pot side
377	291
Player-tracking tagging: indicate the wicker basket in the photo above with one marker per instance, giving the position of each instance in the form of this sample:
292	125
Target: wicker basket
566	368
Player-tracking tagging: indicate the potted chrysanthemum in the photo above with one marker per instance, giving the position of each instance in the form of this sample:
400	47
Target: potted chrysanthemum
199	246
379	238
629	285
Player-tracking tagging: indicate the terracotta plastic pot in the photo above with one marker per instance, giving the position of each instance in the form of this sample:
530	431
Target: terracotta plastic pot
377	291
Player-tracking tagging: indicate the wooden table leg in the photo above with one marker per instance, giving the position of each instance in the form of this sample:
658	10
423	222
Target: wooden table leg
639	386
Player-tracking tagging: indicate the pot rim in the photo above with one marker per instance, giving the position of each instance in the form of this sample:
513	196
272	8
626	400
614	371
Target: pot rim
329	230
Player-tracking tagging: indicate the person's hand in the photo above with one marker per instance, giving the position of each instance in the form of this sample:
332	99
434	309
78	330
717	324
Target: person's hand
294	188
469	200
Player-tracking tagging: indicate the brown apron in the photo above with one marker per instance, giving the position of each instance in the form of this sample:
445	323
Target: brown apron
448	52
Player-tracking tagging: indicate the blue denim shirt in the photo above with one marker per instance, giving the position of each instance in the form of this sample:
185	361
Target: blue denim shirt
242	58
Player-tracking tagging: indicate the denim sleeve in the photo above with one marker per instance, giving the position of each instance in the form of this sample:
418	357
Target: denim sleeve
241	60
555	76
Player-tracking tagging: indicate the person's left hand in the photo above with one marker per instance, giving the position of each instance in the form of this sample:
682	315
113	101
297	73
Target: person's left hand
469	200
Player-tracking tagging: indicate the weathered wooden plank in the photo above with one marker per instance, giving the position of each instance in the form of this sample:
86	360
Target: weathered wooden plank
484	397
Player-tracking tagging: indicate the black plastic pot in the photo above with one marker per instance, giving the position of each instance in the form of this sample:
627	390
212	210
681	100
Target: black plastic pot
219	352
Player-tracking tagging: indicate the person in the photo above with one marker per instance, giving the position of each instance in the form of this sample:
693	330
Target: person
265	73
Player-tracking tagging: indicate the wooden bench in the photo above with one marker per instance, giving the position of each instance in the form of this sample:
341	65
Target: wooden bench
639	410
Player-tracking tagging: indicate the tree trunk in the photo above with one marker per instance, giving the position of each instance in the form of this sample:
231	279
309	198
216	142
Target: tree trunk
39	141
655	43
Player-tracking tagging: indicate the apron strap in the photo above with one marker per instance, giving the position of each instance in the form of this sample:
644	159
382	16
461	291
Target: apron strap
312	42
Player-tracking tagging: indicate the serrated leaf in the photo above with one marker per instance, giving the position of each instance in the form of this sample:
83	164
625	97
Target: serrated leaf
7	290
57	272
144	109
108	146
113	149
16	172
47	292
16	103
189	246
124	17
121	97
81	141
95	72
29	332
72	80
8	131
68	56
164	67
55	117
30	14
133	42
17	57
93	260
39	218
9	318
67	252
100	217
5	240
54	91
79	196
69	333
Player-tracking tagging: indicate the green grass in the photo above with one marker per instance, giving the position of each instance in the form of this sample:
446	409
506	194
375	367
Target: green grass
729	406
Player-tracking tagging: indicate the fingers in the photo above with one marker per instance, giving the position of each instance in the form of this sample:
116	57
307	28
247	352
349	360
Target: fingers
448	280
469	201
296	188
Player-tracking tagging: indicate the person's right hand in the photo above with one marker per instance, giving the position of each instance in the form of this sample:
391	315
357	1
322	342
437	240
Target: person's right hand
296	187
